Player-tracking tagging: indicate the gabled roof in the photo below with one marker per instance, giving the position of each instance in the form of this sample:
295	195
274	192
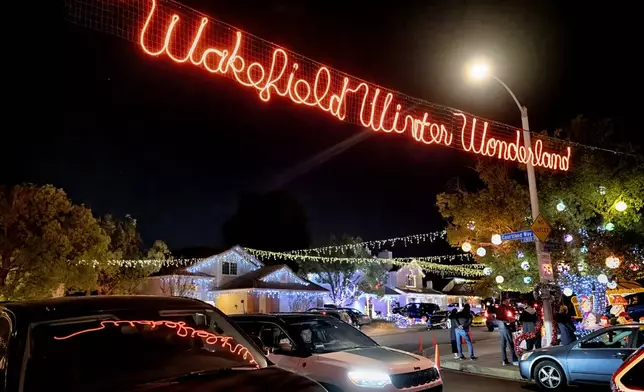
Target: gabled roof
235	251
424	290
256	280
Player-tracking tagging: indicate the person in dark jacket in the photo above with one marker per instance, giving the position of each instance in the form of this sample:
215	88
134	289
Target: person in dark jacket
503	318
565	325
452	331
463	323
528	320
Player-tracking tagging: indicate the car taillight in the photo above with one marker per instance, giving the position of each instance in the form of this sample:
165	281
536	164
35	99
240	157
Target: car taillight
323	313
509	314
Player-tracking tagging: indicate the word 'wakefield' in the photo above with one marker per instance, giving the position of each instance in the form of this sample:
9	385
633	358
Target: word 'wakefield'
377	109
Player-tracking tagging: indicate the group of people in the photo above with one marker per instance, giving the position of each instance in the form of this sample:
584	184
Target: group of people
503	318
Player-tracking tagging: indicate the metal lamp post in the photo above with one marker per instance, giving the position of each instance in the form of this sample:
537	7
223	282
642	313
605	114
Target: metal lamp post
480	71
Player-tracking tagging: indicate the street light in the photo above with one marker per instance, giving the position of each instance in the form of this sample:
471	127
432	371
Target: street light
479	71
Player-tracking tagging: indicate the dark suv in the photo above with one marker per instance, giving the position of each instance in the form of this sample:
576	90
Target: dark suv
417	310
124	343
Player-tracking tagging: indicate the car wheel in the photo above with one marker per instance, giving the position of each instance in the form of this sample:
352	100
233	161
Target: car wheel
549	375
490	328
448	324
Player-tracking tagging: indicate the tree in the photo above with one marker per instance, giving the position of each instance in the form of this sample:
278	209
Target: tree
43	235
273	221
178	285
345	280
126	244
579	204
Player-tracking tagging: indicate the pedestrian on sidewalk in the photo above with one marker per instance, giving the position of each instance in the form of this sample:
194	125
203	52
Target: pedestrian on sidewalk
528	320
452	331
503	318
464	321
565	325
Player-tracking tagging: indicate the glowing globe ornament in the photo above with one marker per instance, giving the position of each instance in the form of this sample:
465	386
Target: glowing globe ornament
621	206
466	247
487	271
481	251
496	239
520	255
567	291
612	262
525	265
499	279
561	206
610	226
602	278
612	285
527	280
568	238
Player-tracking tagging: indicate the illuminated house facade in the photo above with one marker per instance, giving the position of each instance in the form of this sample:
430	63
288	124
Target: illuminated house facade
237	282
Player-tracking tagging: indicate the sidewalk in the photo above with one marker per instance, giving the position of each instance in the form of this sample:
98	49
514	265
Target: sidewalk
487	364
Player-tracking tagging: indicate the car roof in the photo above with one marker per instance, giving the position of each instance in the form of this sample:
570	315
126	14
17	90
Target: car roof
67	307
284	317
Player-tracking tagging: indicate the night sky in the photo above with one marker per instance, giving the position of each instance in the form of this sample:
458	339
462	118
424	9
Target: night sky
174	146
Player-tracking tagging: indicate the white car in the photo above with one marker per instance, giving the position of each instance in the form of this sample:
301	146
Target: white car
338	356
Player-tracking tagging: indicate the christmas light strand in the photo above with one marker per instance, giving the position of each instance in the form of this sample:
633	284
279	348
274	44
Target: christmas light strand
375	244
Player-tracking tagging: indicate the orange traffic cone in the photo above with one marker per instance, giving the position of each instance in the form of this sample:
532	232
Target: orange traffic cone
437	358
420	345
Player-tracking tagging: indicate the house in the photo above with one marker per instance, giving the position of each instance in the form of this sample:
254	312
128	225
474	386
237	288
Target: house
237	282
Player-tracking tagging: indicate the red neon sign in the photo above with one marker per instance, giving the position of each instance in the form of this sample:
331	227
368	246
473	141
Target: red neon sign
181	329
377	109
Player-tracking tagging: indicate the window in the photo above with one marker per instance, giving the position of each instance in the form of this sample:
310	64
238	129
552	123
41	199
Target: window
411	280
228	268
271	335
5	334
615	338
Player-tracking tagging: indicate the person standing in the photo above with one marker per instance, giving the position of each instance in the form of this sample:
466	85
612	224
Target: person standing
503	317
528	320
452	331
565	325
462	332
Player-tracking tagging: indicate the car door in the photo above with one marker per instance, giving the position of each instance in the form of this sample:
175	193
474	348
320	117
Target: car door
282	347
596	357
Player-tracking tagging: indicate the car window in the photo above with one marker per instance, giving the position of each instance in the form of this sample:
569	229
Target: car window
614	338
275	337
5	333
118	352
324	336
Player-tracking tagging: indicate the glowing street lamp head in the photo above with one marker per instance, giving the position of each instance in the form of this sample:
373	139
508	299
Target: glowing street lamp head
478	71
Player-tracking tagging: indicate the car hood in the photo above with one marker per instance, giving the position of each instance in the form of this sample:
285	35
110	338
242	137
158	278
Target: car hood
243	381
554	351
384	358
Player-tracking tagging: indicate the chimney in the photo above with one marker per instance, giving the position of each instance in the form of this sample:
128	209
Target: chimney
430	284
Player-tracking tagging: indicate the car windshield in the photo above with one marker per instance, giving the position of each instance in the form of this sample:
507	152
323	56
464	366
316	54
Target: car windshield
124	350
328	335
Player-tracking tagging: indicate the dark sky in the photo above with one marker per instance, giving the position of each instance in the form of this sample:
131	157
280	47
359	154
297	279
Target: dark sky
173	146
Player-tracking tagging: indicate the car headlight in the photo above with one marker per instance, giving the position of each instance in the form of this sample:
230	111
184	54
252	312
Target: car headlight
526	355
369	378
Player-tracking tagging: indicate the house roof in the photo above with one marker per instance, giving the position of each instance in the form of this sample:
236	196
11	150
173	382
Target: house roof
253	280
390	291
464	289
424	290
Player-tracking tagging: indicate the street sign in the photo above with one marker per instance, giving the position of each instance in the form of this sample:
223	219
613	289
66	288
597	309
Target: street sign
524	236
541	228
551	246
546	266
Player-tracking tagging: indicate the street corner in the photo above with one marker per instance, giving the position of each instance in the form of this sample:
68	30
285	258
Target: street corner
481	367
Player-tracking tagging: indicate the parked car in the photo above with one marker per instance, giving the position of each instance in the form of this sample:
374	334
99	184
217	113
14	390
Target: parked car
630	376
122	343
591	360
439	320
479	320
339	357
340	314
357	316
417	310
635	307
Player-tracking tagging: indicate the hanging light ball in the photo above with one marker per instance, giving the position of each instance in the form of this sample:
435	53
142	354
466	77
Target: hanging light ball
581	266
561	206
603	279
481	251
487	271
612	262
520	255
612	285
496	239
527	280
568	238
567	291
583	249
621	206
602	190
471	225
609	226
466	247
634	267
525	265
499	279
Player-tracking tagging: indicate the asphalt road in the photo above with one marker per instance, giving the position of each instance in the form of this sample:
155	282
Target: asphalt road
458	381
409	341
